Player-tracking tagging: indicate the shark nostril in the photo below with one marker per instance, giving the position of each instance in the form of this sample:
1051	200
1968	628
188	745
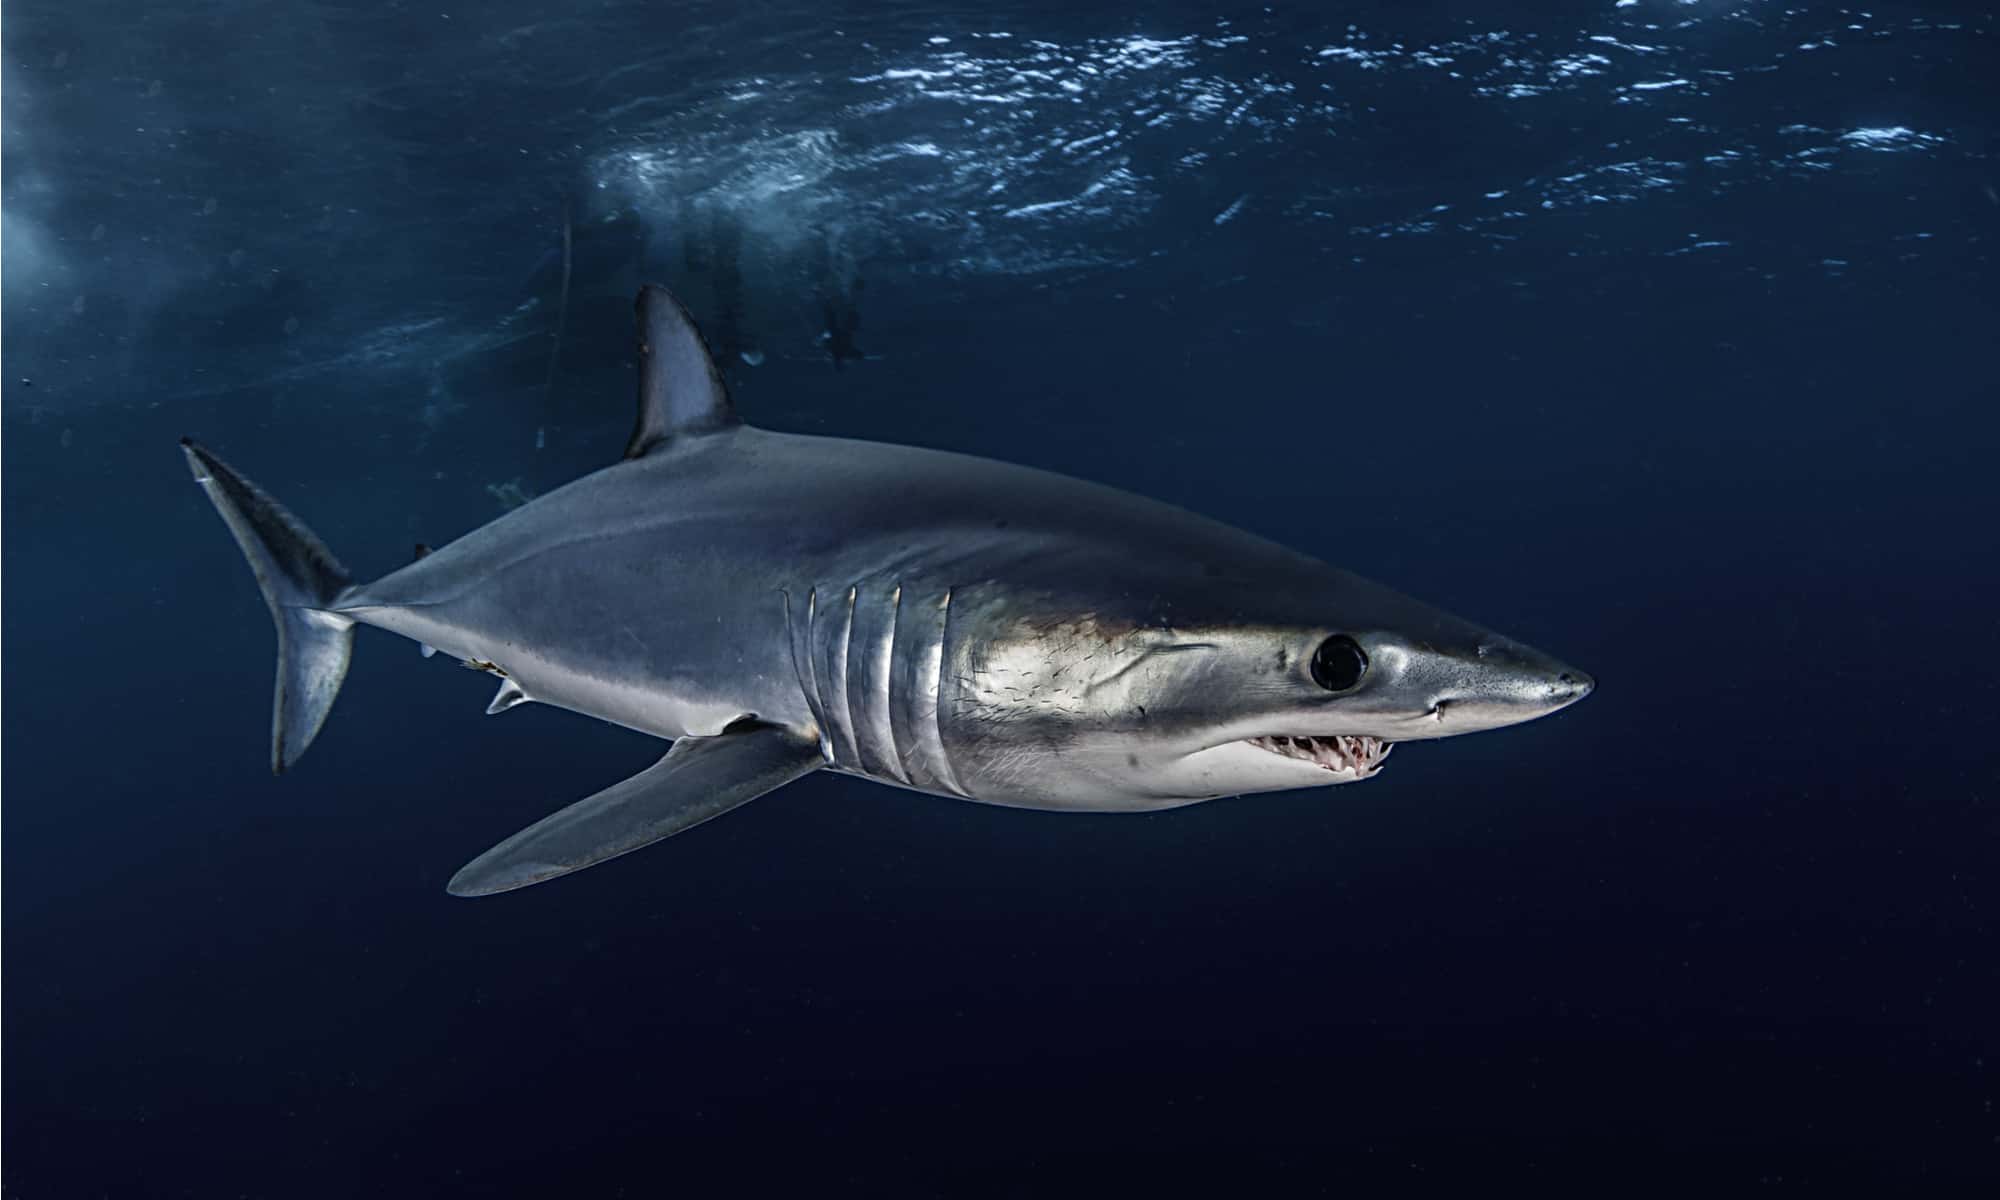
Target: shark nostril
1572	686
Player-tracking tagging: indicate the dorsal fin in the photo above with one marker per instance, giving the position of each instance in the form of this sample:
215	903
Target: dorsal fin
680	391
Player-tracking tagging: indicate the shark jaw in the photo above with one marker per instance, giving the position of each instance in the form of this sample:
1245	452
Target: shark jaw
1263	763
1358	756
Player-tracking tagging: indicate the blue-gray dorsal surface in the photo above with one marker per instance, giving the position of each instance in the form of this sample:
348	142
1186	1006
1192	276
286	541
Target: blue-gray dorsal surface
779	604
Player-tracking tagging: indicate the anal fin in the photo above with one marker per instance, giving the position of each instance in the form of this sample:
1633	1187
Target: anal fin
423	551
509	695
700	778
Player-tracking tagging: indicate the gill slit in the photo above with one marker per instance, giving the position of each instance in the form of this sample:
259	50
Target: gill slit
809	676
901	763
842	670
937	696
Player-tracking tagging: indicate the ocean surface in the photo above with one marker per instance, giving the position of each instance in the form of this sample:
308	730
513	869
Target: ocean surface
1658	334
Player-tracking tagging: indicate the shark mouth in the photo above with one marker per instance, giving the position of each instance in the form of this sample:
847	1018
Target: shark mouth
1361	755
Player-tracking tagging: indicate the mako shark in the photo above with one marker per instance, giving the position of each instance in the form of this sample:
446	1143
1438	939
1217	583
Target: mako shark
779	604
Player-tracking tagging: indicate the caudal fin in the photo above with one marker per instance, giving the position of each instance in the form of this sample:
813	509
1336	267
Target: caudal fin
300	579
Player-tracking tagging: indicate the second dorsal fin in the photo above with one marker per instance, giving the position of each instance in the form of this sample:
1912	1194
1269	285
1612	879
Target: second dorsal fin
680	391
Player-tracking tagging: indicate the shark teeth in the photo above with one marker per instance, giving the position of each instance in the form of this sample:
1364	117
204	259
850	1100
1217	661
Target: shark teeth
1361	755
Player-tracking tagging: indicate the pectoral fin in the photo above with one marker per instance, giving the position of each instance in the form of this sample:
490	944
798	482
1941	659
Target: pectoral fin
701	777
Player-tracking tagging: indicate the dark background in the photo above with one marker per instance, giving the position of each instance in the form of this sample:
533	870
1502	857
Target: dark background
1701	401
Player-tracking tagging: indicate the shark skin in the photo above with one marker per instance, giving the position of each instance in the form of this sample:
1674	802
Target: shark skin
778	604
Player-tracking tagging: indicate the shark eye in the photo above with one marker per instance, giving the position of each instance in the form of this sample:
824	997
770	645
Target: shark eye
1338	664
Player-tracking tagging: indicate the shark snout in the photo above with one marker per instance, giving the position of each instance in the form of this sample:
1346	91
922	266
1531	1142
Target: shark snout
1494	683
1565	686
1571	686
1517	685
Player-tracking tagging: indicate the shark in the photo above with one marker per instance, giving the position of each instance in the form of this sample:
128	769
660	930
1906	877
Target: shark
775	604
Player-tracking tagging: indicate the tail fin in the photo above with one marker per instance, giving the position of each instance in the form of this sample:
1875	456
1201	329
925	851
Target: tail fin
300	579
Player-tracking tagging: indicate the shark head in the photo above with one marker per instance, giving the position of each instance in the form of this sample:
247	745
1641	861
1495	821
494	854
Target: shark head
1280	706
1161	692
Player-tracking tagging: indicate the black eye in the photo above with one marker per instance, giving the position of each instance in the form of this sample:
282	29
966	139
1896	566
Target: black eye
1338	664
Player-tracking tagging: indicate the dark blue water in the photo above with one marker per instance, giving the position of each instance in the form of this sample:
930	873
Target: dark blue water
1660	335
